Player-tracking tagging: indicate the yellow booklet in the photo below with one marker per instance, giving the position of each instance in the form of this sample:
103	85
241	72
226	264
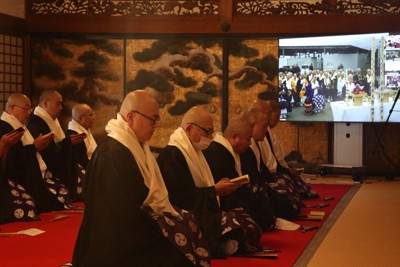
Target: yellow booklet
244	179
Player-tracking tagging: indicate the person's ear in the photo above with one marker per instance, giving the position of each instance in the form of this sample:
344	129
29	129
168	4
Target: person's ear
187	129
45	104
129	117
235	138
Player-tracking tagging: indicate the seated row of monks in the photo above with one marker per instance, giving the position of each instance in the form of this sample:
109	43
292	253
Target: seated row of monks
42	167
181	208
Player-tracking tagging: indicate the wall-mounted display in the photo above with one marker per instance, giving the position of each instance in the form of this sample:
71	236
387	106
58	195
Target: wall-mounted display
339	78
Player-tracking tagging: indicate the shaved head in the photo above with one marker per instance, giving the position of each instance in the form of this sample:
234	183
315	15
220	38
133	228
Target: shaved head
260	105
198	124
48	95
51	102
16	99
84	115
79	110
253	116
238	133
258	115
140	110
237	126
259	111
198	115
137	100
19	106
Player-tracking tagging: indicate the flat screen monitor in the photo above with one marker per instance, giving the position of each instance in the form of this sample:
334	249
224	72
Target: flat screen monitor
341	78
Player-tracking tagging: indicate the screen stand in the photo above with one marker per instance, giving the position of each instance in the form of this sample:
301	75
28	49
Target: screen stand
348	144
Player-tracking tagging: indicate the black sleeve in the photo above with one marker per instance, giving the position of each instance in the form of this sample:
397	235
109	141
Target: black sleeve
179	181
202	202
58	156
20	158
114	227
221	162
249	166
79	151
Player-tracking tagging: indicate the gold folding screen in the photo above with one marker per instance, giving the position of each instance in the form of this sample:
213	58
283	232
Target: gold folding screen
219	73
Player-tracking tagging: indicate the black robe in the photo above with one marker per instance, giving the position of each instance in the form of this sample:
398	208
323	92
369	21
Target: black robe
222	164
284	202
57	156
304	190
79	152
5	198
115	231
23	167
201	202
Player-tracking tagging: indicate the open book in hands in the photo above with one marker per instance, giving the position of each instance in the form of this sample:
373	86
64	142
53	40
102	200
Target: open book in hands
244	179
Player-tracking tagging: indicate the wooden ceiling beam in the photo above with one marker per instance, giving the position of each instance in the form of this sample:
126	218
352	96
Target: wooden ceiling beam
263	25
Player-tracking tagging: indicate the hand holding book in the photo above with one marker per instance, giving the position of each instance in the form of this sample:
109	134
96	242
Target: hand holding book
244	179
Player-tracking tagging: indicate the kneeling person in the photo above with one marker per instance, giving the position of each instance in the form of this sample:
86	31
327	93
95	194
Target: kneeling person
191	186
128	219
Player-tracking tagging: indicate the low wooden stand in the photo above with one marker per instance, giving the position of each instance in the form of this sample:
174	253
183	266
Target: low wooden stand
357	171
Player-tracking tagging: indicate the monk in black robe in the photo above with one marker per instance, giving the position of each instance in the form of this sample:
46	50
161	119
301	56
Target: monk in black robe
284	199
223	158
6	201
80	124
273	156
191	186
58	155
82	120
24	165
128	219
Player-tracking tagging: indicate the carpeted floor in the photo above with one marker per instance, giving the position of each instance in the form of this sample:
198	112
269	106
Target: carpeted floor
365	234
293	243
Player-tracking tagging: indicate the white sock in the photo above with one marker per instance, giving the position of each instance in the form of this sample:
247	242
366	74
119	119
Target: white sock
229	247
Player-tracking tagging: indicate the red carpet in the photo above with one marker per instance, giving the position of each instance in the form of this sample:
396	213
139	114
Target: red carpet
55	246
291	243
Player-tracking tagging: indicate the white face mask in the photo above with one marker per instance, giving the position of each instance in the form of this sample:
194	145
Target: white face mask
203	143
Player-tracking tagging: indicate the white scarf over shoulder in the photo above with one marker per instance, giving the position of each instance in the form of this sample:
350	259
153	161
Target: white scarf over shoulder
219	138
90	143
157	197
54	125
267	155
277	147
195	159
256	152
27	138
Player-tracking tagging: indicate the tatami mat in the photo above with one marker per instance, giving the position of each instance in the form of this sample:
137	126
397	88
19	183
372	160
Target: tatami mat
309	252
368	231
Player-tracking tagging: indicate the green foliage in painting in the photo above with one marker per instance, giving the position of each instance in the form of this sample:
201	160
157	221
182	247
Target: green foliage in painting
238	49
208	88
45	66
60	50
95	65
183	81
192	99
151	79
268	65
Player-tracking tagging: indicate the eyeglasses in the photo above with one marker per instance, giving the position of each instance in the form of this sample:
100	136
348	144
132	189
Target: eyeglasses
207	131
24	108
154	120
